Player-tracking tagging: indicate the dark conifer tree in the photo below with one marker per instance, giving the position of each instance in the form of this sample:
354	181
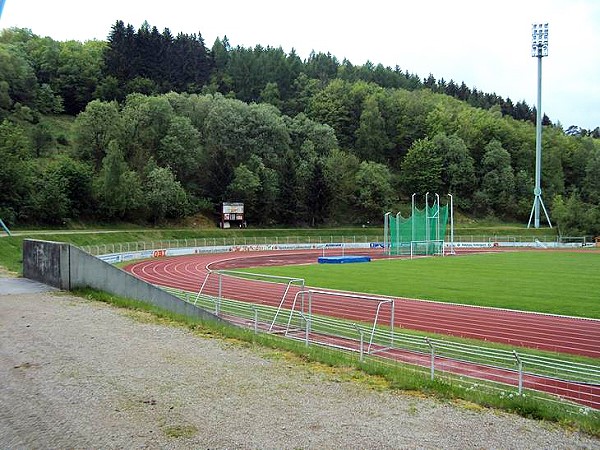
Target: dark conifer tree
429	82
452	89
117	56
463	92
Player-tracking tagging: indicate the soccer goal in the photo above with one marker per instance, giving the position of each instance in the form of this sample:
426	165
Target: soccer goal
427	248
237	294
344	320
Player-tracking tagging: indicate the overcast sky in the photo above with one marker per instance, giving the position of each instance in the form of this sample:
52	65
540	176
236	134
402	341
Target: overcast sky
485	43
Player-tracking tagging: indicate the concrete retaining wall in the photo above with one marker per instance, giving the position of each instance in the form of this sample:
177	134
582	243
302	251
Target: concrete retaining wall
46	262
67	267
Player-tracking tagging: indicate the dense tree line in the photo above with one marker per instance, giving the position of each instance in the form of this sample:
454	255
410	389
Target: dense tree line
149	61
159	128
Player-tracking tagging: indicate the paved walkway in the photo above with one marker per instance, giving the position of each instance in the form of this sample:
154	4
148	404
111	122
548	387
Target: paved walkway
10	286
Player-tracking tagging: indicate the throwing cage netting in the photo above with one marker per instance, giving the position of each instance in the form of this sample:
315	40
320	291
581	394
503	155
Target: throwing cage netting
423	233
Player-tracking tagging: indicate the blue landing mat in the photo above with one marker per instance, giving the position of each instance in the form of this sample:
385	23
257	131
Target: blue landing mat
342	259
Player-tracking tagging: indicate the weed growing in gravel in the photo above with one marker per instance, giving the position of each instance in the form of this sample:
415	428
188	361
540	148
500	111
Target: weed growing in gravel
180	431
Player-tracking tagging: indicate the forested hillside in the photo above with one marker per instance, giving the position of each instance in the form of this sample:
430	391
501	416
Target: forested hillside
148	127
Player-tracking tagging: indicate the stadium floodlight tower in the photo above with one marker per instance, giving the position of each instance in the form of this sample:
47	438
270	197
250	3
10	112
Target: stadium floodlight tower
539	49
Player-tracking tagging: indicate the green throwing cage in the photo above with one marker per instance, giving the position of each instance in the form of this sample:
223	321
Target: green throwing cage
423	233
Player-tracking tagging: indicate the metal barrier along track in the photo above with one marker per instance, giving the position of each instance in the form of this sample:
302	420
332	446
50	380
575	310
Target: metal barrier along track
245	286
308	320
135	246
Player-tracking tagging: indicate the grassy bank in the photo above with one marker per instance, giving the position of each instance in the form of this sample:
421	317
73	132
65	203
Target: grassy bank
373	372
11	247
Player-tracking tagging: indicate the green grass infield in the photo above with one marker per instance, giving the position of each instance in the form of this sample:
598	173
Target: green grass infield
553	282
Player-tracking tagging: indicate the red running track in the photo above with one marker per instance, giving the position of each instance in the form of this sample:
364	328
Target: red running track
564	334
532	330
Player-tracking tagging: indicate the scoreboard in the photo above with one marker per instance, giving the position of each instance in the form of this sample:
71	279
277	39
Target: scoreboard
232	212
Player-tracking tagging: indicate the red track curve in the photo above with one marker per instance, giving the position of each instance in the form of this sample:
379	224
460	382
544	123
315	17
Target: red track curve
532	330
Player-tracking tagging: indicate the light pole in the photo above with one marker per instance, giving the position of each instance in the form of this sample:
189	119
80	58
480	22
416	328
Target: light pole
451	224
412	217
386	228
539	49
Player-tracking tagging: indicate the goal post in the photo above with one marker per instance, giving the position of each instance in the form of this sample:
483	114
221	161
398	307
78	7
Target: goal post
427	248
339	315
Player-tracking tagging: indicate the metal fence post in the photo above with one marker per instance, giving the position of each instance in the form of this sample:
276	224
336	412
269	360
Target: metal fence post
255	319
362	340
432	357
218	302
520	364
308	317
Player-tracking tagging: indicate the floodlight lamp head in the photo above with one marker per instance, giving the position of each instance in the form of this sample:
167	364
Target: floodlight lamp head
539	40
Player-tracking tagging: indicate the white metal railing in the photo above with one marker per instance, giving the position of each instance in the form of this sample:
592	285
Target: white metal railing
442	358
102	249
525	372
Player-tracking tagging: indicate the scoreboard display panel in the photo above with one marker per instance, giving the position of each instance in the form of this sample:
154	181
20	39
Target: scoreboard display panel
233	214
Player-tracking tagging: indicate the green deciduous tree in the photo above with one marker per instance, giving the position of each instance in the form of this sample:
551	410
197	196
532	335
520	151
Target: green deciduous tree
16	173
290	207
180	149
63	192
317	195
146	121
333	106
340	169
575	217
95	128
41	138
118	190
591	182
523	195
18	82
163	195
458	169
421	169
47	101
372	142
497	181
268	193
373	194
270	94
302	129
245	187
79	72
49	202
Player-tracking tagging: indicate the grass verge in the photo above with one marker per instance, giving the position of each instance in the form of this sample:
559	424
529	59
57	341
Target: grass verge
344	328
371	372
11	246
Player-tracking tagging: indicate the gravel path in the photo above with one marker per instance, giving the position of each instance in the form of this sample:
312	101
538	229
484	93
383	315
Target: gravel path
81	374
